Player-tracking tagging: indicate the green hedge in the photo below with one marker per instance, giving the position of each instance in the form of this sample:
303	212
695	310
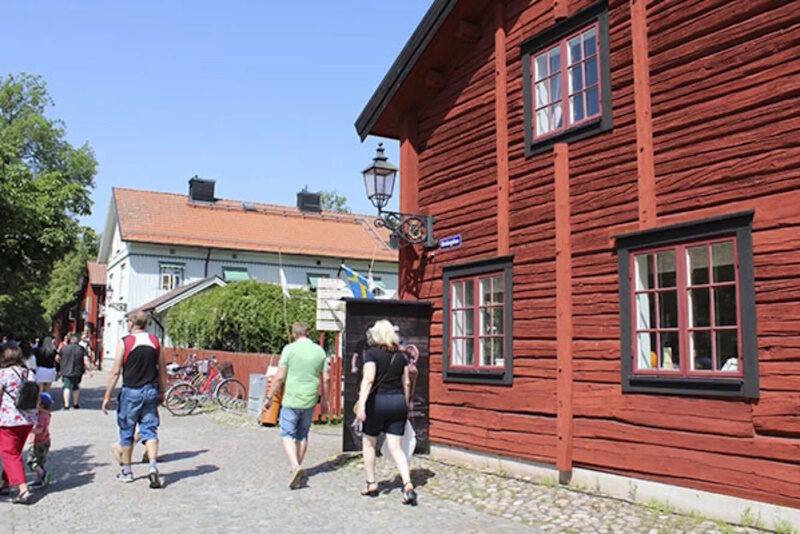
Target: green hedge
240	317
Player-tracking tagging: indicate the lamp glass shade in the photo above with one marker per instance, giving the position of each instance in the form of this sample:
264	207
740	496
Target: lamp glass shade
379	179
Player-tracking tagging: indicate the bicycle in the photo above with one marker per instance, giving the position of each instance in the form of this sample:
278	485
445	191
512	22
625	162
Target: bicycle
204	383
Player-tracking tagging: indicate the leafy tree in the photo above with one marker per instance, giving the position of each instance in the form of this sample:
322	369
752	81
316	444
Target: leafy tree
44	187
67	271
332	201
242	316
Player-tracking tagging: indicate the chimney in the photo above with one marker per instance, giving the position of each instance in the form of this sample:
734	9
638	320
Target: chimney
201	190
309	202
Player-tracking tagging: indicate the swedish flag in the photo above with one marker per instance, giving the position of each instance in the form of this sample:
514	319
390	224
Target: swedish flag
358	284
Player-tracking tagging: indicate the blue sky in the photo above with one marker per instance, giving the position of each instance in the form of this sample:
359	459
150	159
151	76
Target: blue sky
260	96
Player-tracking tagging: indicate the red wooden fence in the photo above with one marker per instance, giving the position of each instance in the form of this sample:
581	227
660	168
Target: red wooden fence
245	363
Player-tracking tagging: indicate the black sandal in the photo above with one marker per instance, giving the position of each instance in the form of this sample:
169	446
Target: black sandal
22	498
409	495
368	491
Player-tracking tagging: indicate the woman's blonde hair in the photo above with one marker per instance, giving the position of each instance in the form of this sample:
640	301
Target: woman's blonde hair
383	335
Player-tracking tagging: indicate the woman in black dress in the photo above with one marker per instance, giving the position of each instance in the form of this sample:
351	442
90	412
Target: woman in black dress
383	405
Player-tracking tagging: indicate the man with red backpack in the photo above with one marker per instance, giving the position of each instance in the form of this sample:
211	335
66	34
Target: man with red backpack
144	380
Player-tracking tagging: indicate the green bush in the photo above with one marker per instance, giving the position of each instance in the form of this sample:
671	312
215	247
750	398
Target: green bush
240	317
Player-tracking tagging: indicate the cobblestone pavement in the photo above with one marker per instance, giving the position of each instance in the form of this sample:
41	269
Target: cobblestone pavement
225	474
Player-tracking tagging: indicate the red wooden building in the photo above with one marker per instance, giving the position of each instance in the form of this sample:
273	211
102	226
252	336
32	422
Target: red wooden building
625	177
86	314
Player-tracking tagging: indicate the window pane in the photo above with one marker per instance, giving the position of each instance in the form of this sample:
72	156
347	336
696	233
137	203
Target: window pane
542	96
458	323
486	291
722	262
541	122
668	309
589	43
458	295
469	322
700	350
458	352
486	351
497	290
555	88
486	322
727	350
574	46
592	102
665	265
540	66
556	120
469	294
697	258
725	305
497	350
643	265
646	346
645	311
670	351
699	309
469	351
555	59
575	79
497	321
576	108
590	69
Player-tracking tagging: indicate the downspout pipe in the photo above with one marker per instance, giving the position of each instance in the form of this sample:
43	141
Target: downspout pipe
208	258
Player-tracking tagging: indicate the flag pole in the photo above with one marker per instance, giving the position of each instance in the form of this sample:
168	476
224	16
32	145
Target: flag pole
284	289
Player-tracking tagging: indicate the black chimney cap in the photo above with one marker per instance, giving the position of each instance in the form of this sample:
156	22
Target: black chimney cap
201	190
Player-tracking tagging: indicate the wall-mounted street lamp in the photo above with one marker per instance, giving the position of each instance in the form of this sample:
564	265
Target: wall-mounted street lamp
379	181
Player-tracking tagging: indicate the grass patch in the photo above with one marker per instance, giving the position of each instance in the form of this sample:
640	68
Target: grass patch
783	526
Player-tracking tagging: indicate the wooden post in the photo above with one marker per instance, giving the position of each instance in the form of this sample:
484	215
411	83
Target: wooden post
563	315
409	194
560	9
501	127
644	120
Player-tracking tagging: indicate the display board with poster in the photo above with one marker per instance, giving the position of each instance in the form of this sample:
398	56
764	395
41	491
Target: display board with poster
412	318
330	306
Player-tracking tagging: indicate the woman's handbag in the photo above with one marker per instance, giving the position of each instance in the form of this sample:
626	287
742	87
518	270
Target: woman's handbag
28	395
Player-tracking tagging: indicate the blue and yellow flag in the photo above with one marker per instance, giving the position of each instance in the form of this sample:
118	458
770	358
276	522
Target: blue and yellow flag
358	284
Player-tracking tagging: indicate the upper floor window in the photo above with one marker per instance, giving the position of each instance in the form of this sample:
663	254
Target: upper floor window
478	322
235	274
688	308
171	276
567	81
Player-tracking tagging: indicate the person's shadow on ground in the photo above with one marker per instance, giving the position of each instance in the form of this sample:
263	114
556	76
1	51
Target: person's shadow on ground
183	455
332	464
89	398
177	476
69	468
419	477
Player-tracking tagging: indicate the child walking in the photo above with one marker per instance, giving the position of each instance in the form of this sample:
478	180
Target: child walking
40	445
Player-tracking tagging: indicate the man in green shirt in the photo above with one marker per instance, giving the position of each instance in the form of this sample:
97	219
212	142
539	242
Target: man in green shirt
300	367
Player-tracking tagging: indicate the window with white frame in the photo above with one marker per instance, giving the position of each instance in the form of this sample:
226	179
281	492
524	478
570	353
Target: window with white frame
171	276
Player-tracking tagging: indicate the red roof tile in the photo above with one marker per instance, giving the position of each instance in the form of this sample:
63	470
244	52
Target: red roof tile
171	219
97	273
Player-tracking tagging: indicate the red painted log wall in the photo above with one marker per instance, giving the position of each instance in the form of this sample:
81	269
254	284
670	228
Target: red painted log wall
725	104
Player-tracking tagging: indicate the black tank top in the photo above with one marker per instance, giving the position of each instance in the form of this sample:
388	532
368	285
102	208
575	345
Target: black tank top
140	360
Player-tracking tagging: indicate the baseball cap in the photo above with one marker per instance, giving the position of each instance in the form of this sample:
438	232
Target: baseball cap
45	398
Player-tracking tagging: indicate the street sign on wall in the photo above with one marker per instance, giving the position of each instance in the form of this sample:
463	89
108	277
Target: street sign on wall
449	242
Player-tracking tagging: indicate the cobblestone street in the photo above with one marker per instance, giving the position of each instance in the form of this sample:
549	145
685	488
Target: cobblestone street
225	474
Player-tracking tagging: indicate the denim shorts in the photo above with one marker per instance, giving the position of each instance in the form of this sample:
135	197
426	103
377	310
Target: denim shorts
138	406
295	422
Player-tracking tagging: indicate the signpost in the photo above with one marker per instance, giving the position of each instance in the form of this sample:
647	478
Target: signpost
330	307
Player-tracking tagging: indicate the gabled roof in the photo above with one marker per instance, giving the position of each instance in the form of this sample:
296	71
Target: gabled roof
171	219
97	273
170	299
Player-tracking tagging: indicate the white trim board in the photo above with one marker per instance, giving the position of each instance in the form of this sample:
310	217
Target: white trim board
685	500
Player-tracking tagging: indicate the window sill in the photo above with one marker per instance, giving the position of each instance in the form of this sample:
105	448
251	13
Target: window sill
465	376
576	133
707	387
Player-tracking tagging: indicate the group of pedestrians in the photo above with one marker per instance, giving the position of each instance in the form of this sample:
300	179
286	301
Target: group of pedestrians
383	404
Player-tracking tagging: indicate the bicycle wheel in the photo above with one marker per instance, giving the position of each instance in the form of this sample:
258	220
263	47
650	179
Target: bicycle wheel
181	399
231	395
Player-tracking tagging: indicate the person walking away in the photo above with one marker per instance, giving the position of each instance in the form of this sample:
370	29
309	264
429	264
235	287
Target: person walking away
40	444
74	362
46	363
15	424
139	360
382	405
28	358
300	366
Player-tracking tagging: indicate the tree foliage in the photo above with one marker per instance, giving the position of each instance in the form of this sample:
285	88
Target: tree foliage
240	317
44	187
67	271
332	201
